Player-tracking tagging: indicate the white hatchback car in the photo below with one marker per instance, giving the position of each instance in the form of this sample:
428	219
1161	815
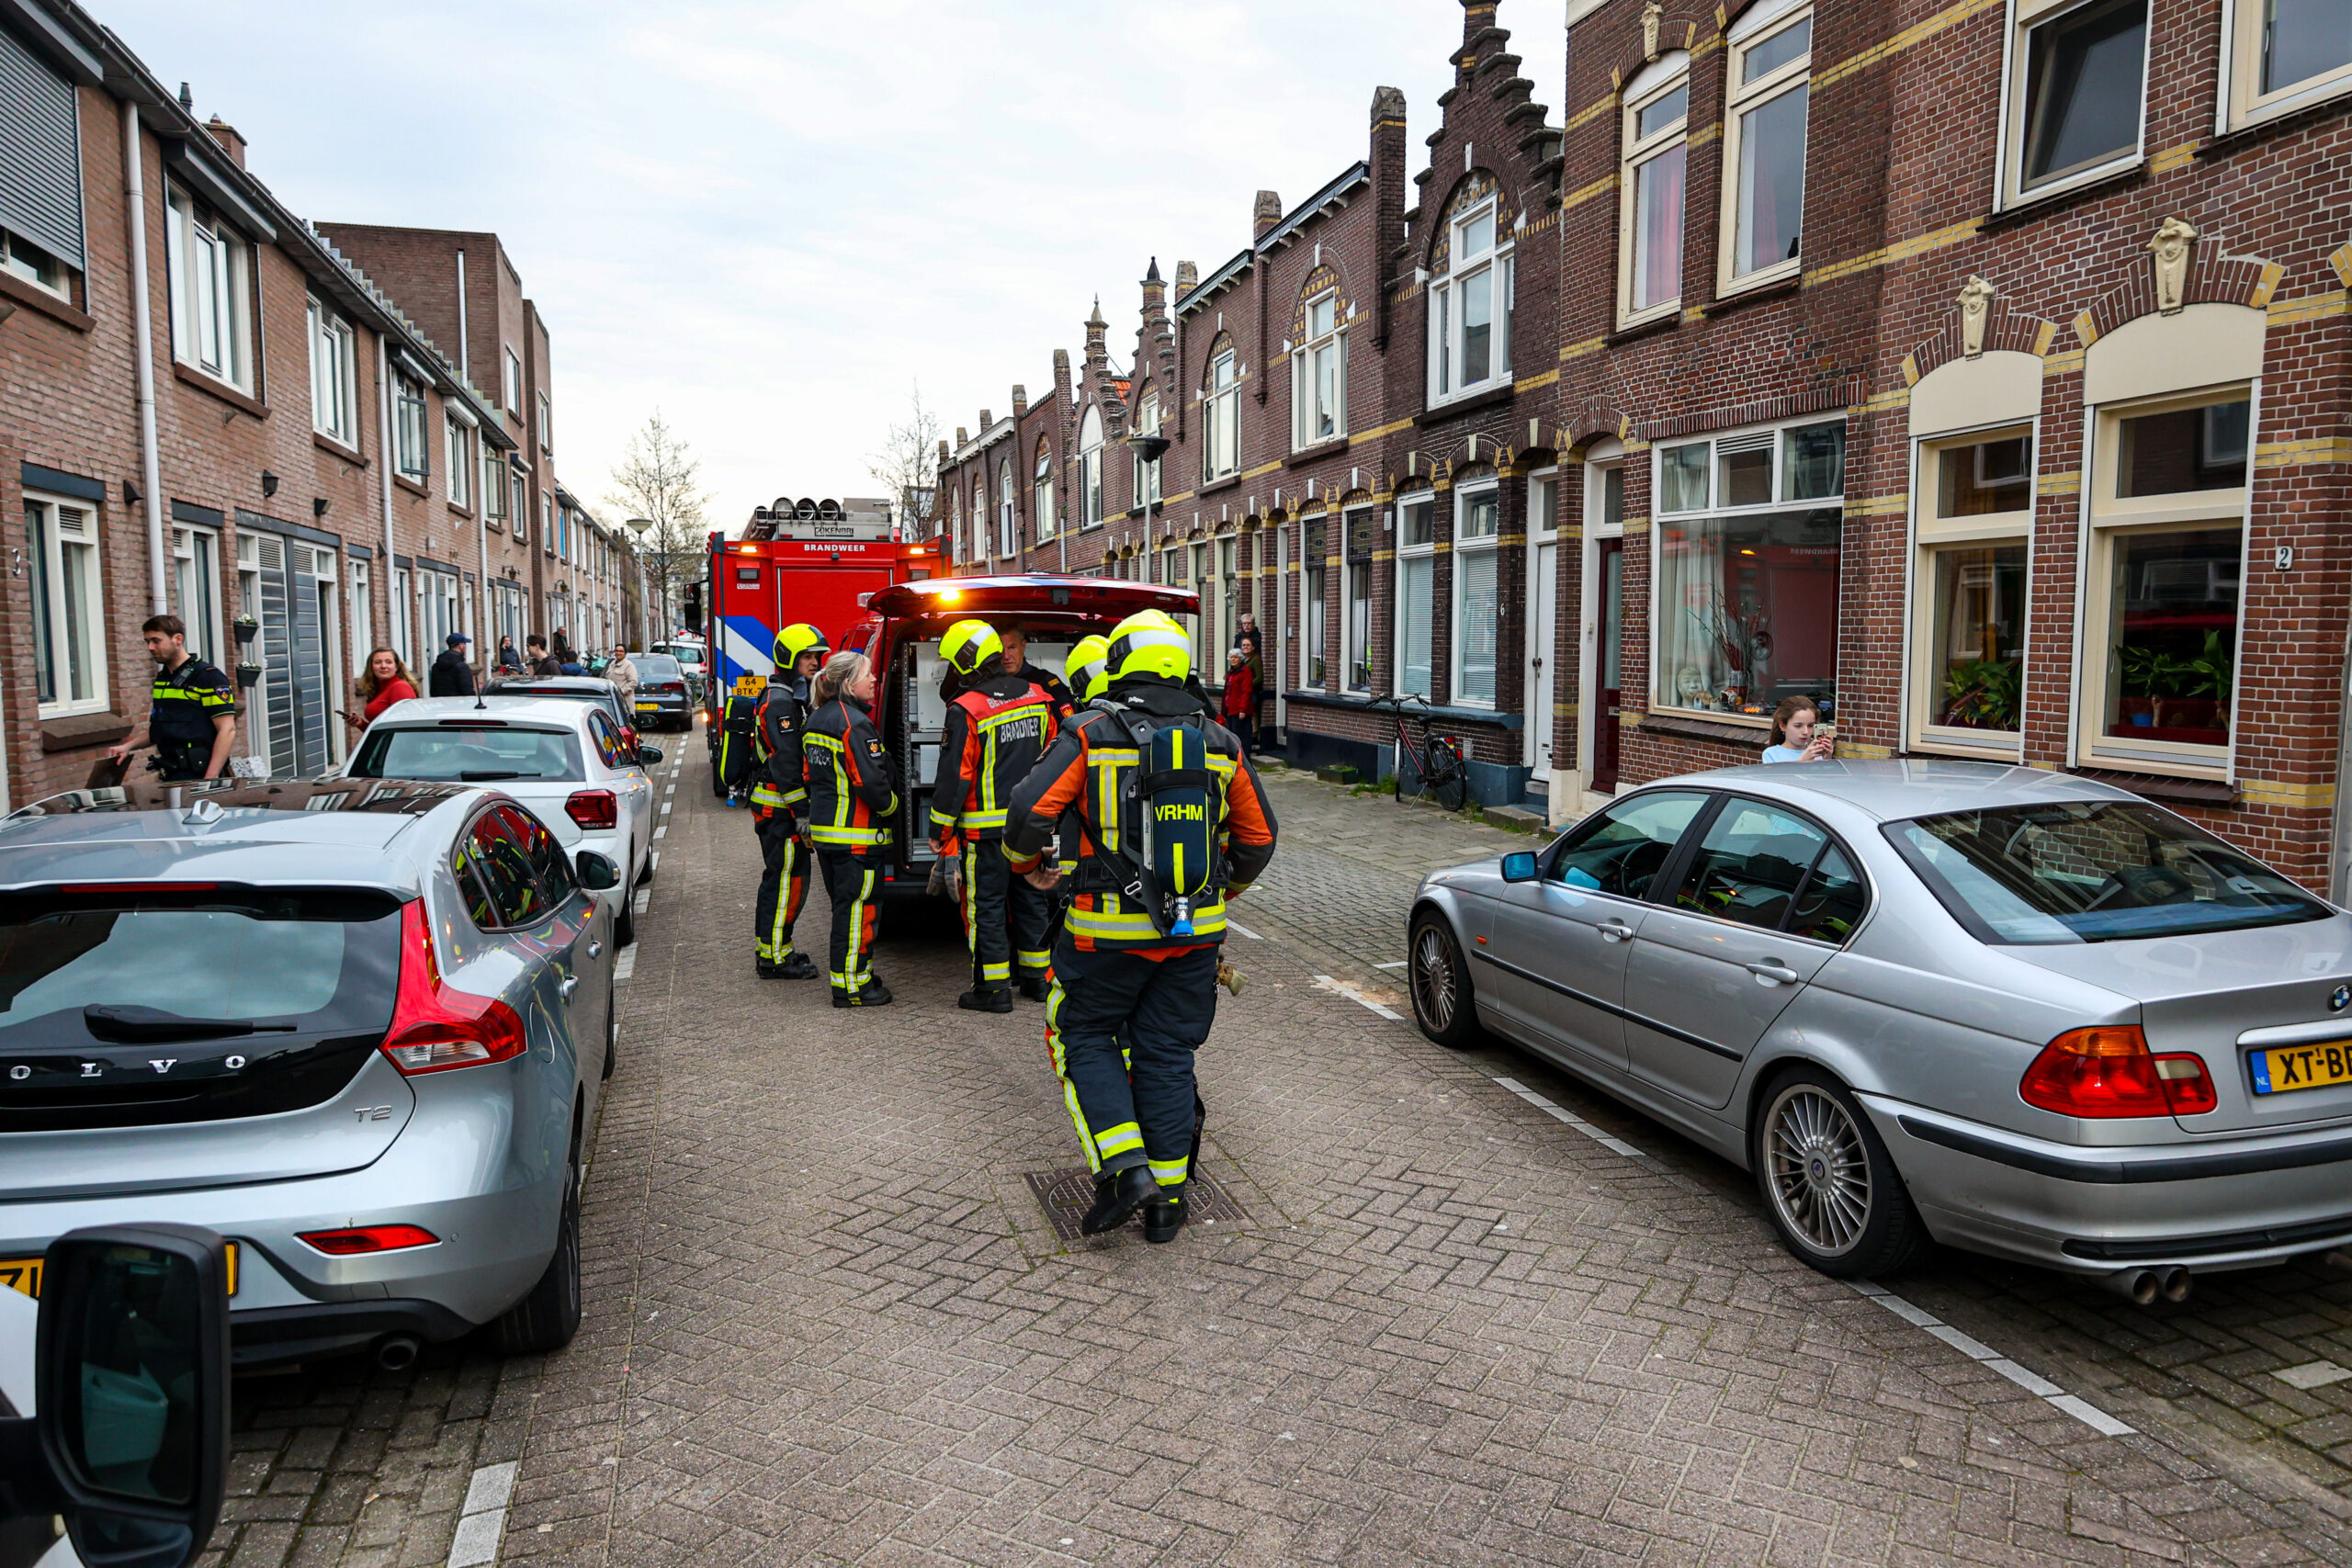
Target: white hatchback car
566	761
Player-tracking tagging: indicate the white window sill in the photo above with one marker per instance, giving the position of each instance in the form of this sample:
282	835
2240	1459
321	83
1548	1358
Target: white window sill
1628	320
2287	103
2178	761
2014	201
47	711
1501	379
1974	744
1762	278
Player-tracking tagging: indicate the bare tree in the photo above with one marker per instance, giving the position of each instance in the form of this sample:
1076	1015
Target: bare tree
658	479
908	463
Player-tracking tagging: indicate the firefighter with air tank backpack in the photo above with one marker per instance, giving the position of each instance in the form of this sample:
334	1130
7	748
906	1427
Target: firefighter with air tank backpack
779	793
1172	822
998	724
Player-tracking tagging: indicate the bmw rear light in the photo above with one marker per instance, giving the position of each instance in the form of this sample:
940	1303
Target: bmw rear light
435	1030
2108	1071
594	809
361	1240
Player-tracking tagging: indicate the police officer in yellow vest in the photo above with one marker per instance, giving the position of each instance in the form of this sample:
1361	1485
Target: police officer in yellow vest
1172	822
192	719
779	793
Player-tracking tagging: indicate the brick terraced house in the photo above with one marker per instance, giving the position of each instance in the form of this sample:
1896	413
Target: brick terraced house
1977	369
211	410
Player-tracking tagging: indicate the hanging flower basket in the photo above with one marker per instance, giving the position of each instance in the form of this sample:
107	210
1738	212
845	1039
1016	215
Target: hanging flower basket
249	676
246	628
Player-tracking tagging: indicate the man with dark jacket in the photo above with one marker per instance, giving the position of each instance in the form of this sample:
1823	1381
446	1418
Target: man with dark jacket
451	676
542	662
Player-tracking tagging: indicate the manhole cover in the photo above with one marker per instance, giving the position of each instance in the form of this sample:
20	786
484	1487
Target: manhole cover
1065	1195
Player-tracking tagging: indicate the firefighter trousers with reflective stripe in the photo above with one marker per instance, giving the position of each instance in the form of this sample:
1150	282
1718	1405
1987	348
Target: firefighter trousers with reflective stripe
1123	1029
851	883
784	886
1005	919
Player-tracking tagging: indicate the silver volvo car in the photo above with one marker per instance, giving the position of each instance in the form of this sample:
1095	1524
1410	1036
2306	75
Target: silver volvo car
2010	1010
358	1027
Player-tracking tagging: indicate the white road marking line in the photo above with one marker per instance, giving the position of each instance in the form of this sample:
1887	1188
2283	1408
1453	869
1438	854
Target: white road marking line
662	829
1975	1350
1393	964
644	896
626	964
656	862
666	806
1613	1145
1343	988
1239	929
482	1521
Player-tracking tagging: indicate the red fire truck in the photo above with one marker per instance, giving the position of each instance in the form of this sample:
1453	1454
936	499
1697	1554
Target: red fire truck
817	561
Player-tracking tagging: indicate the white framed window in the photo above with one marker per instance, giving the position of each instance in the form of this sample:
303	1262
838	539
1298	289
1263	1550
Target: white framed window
335	377
1008	519
514	387
196	589
1415	594
457	458
956	520
2075	94
1223	420
363	610
69	632
1041	493
1470	305
1477	594
1314	604
211	291
399	610
1655	137
2168	486
1764	134
546	523
1147	474
1318	376
411	427
19	257
2283	54
546	424
1972	530
1747	548
1090	469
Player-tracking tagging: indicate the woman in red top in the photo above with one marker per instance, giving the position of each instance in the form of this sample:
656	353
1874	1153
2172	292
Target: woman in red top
385	683
1241	700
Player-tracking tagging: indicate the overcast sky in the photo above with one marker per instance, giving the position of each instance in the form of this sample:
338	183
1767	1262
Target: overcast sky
772	221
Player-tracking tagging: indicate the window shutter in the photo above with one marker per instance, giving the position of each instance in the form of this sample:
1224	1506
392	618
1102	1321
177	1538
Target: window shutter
40	180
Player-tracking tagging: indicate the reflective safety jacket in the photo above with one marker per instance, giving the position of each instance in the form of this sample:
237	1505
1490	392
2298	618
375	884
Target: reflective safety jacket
1086	775
995	733
185	702
849	774
777	784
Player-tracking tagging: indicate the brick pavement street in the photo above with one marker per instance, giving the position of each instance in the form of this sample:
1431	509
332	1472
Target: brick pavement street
828	1320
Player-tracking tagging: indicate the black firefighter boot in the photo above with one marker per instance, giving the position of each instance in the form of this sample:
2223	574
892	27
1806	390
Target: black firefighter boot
1117	1196
799	966
1163	1213
982	1000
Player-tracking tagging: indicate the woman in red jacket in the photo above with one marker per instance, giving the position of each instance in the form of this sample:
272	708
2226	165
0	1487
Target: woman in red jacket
1241	700
385	683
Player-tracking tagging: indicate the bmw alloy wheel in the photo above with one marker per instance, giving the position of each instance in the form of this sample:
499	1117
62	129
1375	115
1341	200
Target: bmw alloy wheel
1434	988
1818	1174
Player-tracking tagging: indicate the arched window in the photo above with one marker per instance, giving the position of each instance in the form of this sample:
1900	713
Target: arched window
1147	474
1222	396
1656	141
1008	529
956	523
979	520
1044	495
1319	369
1090	469
1471	287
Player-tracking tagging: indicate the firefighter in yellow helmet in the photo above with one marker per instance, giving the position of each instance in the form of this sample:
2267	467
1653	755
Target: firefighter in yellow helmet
1172	822
1087	670
779	795
998	724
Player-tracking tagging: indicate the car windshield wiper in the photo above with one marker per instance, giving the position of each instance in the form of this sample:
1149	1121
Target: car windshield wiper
134	1024
485	775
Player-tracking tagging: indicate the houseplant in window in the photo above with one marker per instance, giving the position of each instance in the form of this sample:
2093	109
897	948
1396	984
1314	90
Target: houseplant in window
1982	694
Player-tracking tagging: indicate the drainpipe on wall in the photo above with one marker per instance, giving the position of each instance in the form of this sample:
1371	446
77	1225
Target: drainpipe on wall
150	462
393	605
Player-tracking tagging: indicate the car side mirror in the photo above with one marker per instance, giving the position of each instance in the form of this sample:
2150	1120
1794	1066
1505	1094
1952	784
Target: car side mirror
1520	866
595	873
649	755
131	1394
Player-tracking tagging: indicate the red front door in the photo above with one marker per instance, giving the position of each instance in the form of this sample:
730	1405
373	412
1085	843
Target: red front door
1610	656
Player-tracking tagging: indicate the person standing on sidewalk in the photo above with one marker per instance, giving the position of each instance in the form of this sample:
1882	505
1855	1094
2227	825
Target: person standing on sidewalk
451	676
1240	701
851	792
779	793
192	711
621	670
997	726
1135	972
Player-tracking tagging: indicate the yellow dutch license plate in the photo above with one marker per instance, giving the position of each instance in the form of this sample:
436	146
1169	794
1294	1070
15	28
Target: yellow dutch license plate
22	1275
749	686
2282	1069
648	707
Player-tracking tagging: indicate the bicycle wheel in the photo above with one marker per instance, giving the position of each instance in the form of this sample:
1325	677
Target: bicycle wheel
1449	779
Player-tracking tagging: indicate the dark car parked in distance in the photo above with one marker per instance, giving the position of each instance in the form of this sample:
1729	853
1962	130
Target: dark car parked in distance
664	700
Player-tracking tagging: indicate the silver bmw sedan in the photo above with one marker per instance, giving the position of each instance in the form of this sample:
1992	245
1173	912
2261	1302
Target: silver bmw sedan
2009	1009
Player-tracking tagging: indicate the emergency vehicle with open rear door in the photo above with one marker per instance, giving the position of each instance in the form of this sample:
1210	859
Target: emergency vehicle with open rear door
817	561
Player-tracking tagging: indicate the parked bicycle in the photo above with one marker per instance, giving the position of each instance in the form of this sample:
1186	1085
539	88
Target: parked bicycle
1437	759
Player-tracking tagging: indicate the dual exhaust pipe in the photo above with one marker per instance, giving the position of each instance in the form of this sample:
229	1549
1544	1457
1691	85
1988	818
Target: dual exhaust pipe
2146	1287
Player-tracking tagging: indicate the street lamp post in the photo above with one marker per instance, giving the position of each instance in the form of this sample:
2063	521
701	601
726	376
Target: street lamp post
1150	449
640	525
